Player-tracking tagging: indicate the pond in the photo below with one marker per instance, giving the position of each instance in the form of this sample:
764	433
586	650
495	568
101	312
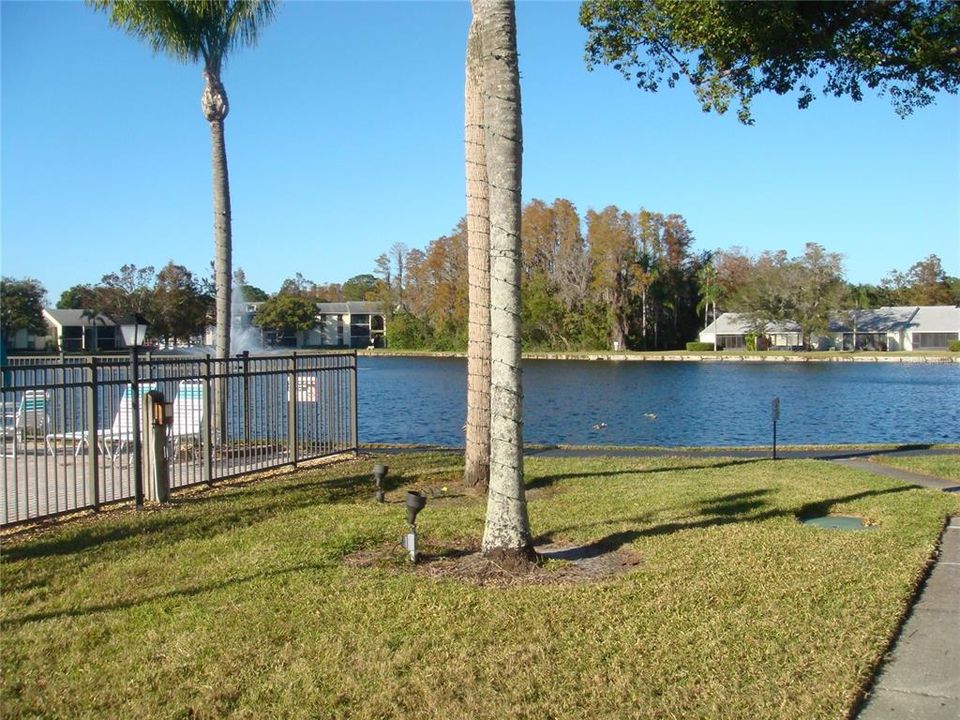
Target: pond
423	400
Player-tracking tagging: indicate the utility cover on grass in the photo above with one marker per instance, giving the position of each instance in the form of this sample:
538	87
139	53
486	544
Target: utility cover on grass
837	522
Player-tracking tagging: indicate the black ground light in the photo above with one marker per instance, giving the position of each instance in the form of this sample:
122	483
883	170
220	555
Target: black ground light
415	503
379	473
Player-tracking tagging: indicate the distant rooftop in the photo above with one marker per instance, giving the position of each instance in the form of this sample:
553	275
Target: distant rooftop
83	318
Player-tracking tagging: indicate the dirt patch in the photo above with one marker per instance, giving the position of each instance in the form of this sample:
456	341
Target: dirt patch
461	560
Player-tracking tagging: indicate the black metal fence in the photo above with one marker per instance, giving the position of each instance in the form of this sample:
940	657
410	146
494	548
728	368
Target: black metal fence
71	437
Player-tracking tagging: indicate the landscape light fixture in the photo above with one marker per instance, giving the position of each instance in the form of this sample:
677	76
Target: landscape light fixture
415	503
379	473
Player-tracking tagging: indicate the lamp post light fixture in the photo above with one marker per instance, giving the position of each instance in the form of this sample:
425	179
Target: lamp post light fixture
134	331
415	503
379	473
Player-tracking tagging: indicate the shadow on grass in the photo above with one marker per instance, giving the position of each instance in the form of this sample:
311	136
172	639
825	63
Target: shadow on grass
548	480
724	510
851	454
206	515
203	516
186	592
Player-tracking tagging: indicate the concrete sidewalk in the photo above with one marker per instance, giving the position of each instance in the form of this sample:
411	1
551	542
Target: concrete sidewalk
921	676
898	474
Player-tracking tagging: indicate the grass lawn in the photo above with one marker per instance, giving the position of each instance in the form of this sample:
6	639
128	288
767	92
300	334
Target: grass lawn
243	601
942	466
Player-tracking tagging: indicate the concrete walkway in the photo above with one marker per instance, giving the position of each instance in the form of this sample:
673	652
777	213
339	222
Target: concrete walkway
898	474
921	676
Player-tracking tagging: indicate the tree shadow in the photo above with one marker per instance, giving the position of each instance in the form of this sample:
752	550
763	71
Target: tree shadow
209	514
548	480
724	510
203	516
852	454
155	527
186	592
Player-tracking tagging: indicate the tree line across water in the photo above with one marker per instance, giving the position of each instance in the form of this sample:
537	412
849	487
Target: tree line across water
607	279
617	279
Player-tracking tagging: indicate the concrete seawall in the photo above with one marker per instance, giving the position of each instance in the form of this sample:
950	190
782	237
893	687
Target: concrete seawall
698	357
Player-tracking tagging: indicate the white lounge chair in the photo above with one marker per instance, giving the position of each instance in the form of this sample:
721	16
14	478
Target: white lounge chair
31	418
188	407
120	434
112	441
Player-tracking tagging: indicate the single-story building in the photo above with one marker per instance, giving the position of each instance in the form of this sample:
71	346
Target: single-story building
934	327
901	327
730	331
910	327
83	331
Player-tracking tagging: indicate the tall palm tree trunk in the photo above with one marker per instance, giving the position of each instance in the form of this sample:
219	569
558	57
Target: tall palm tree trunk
643	317
507	528
477	459
215	108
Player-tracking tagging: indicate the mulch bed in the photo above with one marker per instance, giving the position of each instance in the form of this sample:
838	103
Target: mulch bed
462	561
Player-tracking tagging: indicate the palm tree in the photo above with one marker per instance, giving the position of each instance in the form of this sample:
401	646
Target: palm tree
507	527
709	294
207	30
477	456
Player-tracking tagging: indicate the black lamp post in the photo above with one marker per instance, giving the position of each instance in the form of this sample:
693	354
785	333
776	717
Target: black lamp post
134	331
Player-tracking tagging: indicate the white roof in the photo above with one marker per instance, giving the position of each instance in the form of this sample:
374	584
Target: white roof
925	318
936	318
874	320
739	324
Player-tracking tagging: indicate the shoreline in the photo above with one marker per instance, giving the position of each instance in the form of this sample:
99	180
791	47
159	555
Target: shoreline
683	356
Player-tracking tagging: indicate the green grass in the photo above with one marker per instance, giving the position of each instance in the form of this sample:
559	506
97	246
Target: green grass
237	602
942	466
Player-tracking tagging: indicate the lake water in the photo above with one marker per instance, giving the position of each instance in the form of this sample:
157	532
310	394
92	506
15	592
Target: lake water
423	400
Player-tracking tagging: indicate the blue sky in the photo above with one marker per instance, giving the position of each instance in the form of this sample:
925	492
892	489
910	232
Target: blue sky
345	136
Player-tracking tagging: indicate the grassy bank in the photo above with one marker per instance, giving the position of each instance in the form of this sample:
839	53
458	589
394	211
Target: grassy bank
291	598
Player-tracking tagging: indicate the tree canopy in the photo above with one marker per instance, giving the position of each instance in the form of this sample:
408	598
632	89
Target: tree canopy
189	30
733	51
925	283
807	290
287	313
360	287
21	306
173	300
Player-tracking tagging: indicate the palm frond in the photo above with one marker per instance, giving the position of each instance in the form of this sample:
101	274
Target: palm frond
190	30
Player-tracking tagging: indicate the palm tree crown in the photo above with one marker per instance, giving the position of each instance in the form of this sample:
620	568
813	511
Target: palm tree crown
191	30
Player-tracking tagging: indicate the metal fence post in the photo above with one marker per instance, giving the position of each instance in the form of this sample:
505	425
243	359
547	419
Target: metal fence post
292	448
246	396
93	481
206	439
353	404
